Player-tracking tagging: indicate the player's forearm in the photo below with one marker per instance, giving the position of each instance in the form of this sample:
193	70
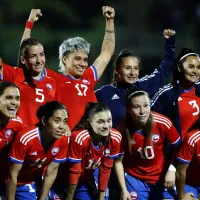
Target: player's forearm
47	184
11	189
120	174
180	182
26	34
70	191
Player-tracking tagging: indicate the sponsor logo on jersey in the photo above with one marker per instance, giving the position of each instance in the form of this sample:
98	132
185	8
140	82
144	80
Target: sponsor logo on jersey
132	141
8	133
106	152
86	81
155	137
55	150
115	96
134	195
34	153
49	86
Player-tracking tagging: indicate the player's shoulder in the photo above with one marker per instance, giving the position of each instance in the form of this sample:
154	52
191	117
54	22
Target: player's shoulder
193	137
115	135
161	120
28	134
106	88
80	136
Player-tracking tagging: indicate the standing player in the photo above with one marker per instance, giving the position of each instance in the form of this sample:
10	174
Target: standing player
188	178
10	124
93	144
127	68
78	80
37	147
145	138
180	100
36	87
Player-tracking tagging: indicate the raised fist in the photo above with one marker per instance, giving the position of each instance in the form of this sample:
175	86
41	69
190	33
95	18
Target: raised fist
168	33
108	12
34	15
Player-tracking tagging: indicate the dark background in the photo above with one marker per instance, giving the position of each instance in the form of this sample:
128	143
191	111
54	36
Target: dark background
138	23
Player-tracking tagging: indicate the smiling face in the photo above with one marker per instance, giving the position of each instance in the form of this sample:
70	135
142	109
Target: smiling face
35	59
57	124
139	110
129	70
9	102
190	70
76	63
101	123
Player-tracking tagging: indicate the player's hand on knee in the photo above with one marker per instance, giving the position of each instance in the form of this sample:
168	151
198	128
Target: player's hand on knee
170	178
168	33
34	15
108	12
188	196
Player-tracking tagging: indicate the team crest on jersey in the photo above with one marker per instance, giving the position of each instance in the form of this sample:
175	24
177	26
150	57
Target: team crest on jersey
132	141
106	152
55	150
49	86
155	137
134	195
86	81
8	133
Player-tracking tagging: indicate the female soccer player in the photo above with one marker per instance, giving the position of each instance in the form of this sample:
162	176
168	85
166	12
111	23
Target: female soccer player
180	100
77	79
36	88
93	144
127	68
188	178
145	138
37	147
10	125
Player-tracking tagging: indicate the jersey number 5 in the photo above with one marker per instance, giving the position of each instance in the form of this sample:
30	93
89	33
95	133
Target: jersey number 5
39	93
147	152
82	89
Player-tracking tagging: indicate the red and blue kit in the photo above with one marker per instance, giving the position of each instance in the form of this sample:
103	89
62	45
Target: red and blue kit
76	93
7	135
86	157
189	105
189	153
31	98
150	157
27	149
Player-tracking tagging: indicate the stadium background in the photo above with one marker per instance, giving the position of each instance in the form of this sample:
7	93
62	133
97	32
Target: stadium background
138	23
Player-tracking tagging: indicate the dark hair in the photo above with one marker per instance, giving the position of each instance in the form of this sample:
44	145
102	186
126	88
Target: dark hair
46	111
129	127
4	85
180	59
90	110
118	61
23	51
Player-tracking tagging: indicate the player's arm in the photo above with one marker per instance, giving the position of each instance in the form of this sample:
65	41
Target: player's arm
49	179
121	179
12	180
33	17
180	179
108	44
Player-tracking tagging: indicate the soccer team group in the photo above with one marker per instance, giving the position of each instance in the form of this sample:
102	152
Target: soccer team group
60	139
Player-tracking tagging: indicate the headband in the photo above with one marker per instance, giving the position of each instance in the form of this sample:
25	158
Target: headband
139	91
188	54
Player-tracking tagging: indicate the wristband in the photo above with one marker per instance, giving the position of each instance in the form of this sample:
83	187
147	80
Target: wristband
29	25
172	168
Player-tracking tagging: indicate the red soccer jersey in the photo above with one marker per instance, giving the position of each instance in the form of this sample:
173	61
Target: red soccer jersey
146	161
31	98
28	150
189	105
81	150
189	153
7	134
75	94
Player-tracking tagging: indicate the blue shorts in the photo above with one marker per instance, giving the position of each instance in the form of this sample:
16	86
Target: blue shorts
142	191
26	192
194	190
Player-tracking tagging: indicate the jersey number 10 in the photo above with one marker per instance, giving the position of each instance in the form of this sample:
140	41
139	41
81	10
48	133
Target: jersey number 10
147	152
